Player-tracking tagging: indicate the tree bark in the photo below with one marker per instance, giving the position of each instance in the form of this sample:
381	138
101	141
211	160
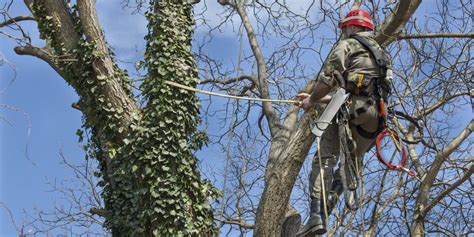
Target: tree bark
394	24
280	181
109	86
103	67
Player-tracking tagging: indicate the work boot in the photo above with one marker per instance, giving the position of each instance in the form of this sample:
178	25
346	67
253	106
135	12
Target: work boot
334	194
316	224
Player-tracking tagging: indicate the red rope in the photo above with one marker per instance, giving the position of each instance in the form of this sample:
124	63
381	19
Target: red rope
401	165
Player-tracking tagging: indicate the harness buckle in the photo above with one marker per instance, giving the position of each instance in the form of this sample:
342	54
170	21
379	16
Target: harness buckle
360	78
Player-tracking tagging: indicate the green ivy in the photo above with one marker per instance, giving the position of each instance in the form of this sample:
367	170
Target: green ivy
162	192
151	181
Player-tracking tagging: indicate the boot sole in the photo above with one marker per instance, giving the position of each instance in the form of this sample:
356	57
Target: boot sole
291	225
316	230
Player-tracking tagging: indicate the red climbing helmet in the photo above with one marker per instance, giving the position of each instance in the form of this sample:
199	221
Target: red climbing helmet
357	18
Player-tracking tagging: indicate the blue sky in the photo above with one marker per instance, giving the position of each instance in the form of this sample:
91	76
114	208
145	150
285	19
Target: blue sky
39	121
30	145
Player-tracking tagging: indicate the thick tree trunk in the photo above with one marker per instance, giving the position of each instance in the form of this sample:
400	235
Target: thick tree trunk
77	50
280	180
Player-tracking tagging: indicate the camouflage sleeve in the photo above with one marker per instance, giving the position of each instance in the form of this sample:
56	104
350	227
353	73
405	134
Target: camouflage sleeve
338	59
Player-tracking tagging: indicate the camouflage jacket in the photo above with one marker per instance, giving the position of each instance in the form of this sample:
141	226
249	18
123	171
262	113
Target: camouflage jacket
352	59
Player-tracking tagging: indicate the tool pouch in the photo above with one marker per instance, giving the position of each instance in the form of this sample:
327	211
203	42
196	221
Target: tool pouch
359	84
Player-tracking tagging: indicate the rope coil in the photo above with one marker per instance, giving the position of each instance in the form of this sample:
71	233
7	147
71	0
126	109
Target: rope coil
394	136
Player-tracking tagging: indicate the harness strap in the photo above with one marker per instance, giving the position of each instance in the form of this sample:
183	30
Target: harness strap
370	135
376	53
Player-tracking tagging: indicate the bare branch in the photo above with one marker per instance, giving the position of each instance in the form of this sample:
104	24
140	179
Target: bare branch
41	53
239	223
456	184
98	211
440	158
434	35
262	84
396	21
16	19
456	142
12	219
439	103
251	78
243	91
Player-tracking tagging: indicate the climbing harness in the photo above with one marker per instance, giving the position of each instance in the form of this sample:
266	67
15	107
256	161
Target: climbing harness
337	110
382	88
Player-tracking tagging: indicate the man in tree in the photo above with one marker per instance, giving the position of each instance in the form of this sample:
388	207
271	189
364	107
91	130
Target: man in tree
368	82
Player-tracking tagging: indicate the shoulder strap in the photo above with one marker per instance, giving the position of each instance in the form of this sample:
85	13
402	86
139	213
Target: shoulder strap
379	55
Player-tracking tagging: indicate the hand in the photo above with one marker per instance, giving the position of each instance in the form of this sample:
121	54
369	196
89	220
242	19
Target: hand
304	101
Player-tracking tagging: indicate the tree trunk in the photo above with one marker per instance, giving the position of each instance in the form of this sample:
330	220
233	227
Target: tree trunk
280	180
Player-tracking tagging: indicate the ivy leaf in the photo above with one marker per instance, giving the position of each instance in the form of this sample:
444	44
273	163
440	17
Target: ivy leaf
183	144
112	153
101	77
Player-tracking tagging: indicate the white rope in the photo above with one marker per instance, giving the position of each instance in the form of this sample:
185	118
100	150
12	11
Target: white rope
323	186
226	96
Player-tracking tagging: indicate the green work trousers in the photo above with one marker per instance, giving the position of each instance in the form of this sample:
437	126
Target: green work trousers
329	146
